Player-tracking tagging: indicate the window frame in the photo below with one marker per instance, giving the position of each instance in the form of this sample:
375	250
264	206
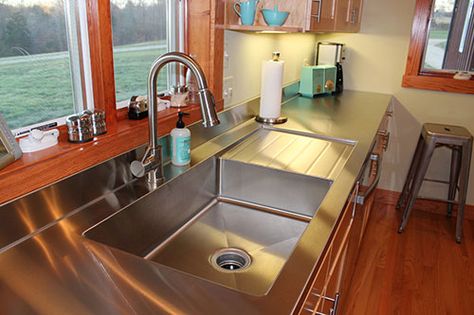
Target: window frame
209	50
77	39
414	76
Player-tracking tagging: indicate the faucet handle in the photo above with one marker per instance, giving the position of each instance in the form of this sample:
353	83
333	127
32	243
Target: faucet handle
137	168
151	165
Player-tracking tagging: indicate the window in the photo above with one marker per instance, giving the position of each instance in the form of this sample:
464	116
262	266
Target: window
38	57
140	35
450	43
442	43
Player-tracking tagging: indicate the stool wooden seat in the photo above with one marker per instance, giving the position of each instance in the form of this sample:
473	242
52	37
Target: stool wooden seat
459	140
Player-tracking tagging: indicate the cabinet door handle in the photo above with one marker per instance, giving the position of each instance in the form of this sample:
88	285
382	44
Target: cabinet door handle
377	160
386	138
353	16
333	310
348	13
318	15
333	9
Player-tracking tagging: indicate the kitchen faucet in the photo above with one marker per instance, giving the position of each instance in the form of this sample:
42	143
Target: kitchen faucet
152	161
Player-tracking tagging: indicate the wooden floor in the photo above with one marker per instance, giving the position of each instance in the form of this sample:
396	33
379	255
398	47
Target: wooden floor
421	271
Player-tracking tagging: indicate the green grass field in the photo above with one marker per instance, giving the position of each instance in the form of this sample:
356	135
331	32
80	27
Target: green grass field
38	88
438	34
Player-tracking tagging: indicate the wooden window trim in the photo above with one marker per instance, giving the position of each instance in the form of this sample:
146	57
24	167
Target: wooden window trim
34	171
414	77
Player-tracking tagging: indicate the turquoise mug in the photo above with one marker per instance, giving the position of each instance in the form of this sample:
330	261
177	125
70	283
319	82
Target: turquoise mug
247	11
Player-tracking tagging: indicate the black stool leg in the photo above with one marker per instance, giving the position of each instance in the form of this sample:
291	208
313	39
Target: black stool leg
411	173
427	152
453	177
463	181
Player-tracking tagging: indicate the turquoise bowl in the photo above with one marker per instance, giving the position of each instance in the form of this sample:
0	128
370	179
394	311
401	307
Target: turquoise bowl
274	17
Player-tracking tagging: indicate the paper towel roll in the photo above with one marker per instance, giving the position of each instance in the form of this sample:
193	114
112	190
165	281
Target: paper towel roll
271	87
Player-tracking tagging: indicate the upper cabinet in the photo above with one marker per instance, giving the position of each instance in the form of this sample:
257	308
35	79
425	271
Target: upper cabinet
334	15
304	16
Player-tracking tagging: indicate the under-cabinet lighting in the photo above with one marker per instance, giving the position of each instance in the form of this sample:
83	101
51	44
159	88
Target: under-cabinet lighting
273	32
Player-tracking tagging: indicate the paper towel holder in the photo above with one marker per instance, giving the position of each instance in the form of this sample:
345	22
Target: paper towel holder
271	121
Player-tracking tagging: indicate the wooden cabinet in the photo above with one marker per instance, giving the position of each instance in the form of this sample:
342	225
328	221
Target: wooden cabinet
334	15
348	15
322	15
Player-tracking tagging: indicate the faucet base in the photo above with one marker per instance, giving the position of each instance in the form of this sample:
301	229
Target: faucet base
271	121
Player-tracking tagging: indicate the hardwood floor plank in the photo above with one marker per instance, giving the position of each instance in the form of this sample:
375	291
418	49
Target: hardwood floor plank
421	271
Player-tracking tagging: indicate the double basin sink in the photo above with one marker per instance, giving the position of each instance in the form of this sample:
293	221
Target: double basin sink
235	218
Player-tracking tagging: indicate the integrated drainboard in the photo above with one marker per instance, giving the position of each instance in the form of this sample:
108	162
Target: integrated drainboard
293	151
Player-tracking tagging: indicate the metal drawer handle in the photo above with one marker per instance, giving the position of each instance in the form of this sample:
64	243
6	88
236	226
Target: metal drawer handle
378	161
386	138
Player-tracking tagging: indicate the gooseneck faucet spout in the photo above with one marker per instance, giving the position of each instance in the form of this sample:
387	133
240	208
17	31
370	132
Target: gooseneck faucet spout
151	163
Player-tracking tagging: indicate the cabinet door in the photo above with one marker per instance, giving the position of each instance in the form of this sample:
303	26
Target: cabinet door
355	15
348	15
340	272
323	15
328	276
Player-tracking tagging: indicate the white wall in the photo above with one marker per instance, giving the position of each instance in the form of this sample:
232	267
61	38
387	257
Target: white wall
247	51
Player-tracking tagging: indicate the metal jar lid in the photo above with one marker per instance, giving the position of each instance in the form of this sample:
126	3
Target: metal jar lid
79	120
98	122
79	127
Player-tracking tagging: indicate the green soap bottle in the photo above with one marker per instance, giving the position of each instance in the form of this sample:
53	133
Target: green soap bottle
180	143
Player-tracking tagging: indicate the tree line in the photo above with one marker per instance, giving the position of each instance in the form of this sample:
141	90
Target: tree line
38	29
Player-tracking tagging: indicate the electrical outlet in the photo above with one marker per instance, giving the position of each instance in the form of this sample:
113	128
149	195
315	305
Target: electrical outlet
345	54
227	90
226	56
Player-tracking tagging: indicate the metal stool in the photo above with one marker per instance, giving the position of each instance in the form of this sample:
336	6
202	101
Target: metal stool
432	136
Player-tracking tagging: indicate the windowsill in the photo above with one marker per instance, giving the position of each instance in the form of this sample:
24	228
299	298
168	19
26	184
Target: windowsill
438	83
36	170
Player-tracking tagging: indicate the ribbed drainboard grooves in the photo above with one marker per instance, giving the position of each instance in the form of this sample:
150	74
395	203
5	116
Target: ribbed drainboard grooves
293	152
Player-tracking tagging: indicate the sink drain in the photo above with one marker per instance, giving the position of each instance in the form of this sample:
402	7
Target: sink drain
230	260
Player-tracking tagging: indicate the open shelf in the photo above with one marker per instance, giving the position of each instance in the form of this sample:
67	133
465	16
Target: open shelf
263	28
295	23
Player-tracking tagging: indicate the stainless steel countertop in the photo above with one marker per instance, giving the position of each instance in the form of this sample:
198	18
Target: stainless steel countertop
49	268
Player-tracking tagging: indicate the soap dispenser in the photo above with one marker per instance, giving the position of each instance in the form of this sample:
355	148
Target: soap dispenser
180	143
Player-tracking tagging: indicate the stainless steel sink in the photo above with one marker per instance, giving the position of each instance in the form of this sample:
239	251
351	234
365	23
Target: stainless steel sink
226	221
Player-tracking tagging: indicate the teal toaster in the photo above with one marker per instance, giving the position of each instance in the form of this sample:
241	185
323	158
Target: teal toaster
316	80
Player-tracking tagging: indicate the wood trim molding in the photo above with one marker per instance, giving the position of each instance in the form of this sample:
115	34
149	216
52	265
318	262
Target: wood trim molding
414	77
205	40
390	197
102	60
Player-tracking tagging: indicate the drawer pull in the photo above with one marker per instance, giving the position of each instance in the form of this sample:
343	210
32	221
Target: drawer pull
377	163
